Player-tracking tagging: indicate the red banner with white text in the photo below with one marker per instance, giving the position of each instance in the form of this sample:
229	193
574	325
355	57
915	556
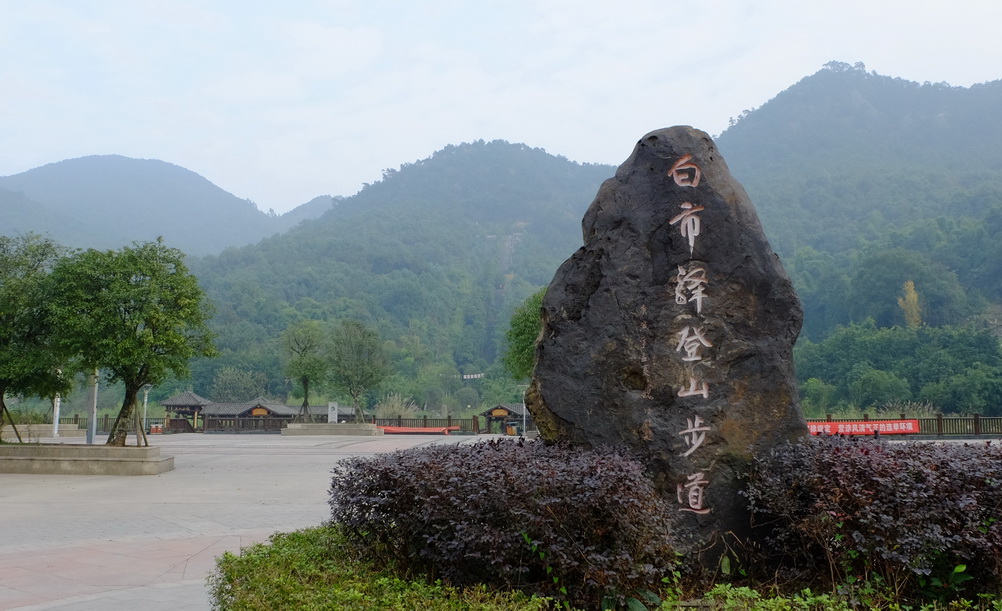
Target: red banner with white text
864	427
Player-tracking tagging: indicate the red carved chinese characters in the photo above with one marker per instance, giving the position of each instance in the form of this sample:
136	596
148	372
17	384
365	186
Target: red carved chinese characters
684	172
692	340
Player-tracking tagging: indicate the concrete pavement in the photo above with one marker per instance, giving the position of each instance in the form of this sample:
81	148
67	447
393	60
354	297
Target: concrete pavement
86	542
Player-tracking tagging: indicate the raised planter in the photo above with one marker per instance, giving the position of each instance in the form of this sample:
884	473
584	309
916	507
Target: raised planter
331	428
34	432
75	459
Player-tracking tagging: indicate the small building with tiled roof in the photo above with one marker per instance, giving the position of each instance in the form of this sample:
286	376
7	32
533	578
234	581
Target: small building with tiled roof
185	404
191	412
510	416
259	407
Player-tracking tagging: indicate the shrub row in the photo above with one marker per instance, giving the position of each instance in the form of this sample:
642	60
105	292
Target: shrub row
580	526
923	519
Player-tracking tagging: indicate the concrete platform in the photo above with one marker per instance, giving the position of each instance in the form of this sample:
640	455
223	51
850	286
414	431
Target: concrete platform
34	432
72	459
332	428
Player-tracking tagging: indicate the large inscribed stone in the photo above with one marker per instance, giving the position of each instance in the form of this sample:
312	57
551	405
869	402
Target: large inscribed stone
671	332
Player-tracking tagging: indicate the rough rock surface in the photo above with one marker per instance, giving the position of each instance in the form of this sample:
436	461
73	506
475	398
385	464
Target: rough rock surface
671	332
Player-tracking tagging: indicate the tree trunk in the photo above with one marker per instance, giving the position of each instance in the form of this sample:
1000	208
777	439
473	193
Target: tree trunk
120	430
357	405
304	410
5	412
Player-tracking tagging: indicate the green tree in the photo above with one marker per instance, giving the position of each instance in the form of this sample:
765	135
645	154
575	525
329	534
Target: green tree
977	390
875	283
28	365
874	387
956	368
523	331
357	360
818	397
138	314
823	288
468	398
499	387
304	347
232	385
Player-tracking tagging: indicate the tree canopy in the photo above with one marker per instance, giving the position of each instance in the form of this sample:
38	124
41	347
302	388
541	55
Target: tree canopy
958	369
137	314
28	363
304	345
232	385
358	362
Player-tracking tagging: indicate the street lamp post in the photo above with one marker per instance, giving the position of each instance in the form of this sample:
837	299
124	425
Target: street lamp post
146	396
56	401
92	417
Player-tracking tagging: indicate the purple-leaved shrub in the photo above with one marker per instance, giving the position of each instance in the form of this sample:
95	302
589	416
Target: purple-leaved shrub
579	525
923	518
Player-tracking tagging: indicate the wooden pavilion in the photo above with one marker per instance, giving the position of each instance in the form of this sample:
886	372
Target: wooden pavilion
183	411
512	418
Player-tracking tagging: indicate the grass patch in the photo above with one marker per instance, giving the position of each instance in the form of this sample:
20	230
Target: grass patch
312	569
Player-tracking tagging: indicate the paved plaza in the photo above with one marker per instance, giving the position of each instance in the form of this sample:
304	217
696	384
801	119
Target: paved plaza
89	542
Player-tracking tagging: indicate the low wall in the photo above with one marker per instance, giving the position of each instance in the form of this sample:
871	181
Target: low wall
76	459
331	428
30	432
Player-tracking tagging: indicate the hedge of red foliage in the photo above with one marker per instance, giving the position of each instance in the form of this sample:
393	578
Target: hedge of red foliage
574	524
925	519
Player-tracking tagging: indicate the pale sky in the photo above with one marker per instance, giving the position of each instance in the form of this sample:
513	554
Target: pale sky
279	102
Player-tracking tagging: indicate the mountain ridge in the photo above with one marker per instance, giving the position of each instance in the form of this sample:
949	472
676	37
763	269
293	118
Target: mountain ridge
108	201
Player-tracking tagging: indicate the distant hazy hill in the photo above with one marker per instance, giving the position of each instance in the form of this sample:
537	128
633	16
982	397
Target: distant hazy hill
108	201
315	208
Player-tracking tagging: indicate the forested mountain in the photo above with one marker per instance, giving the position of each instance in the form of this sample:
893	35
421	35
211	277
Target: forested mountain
435	256
108	201
865	181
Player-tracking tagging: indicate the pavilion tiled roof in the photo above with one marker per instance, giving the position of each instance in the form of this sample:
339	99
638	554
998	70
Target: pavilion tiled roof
515	408
279	409
185	399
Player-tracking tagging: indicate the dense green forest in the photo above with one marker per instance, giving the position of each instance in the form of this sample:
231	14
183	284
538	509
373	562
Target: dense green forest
435	257
864	183
873	190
